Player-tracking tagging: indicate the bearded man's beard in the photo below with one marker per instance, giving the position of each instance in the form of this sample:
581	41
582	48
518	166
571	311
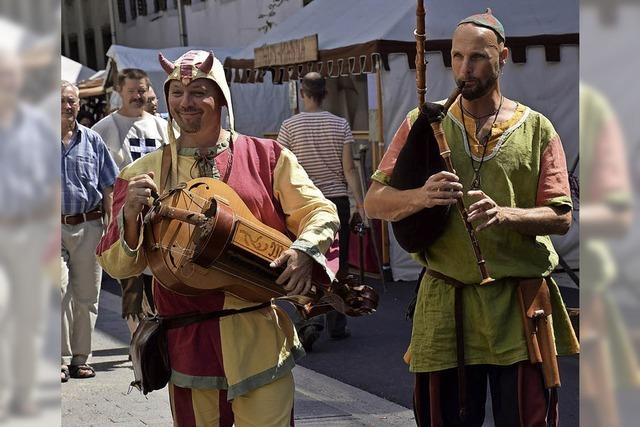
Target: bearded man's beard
481	88
191	126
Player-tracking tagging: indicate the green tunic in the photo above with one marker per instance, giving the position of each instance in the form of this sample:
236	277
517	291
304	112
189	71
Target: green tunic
493	331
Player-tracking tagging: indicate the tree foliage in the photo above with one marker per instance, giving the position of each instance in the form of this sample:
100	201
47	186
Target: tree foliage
268	17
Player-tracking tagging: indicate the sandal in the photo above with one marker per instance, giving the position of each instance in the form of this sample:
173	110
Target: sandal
82	371
64	374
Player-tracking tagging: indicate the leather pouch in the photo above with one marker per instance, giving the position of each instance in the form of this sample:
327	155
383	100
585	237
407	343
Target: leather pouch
150	355
535	305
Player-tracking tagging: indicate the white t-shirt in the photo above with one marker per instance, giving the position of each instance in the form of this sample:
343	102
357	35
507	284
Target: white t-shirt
129	138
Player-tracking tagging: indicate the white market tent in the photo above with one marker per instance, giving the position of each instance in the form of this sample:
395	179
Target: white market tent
542	71
73	71
244	97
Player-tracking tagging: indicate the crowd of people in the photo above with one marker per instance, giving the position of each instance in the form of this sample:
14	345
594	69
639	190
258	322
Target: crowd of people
510	170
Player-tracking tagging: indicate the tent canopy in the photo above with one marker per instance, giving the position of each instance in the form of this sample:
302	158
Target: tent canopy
351	34
73	71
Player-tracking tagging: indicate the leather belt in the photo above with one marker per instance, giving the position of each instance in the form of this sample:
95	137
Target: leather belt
83	217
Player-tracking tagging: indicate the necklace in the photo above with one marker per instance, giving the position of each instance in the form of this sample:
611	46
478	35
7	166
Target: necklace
476	183
484	116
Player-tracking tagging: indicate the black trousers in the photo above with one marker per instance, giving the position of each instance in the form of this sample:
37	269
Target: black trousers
518	397
336	322
344	213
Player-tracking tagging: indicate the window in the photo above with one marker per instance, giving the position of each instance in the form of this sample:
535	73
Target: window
159	5
90	47
106	38
74	51
122	11
142	7
133	7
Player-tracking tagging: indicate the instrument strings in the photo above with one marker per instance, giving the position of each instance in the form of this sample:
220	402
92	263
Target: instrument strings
192	200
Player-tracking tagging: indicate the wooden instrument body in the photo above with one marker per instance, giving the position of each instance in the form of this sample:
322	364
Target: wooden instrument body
219	245
181	254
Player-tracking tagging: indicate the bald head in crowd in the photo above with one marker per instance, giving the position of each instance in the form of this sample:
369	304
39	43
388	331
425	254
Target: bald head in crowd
314	86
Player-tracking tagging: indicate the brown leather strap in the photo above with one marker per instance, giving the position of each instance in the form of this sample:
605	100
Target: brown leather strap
448	280
179	321
458	314
165	168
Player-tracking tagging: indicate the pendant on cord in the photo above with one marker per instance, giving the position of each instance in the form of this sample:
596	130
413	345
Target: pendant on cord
475	184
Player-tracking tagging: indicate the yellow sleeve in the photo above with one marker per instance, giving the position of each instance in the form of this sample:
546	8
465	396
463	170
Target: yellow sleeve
309	215
114	255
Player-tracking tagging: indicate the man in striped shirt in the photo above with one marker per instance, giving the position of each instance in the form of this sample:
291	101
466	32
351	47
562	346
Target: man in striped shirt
322	143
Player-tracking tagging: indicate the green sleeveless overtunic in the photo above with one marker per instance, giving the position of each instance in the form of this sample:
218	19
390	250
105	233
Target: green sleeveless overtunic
493	332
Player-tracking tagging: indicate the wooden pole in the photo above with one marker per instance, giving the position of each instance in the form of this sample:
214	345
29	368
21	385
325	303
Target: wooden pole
421	69
384	237
182	25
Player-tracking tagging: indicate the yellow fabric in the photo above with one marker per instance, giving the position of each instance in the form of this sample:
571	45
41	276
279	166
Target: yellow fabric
307	211
268	406
206	407
497	130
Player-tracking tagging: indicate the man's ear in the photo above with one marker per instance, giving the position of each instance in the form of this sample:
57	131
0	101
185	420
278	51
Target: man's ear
503	56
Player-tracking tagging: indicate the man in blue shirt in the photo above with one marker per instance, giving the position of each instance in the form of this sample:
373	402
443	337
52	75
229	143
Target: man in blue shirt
88	175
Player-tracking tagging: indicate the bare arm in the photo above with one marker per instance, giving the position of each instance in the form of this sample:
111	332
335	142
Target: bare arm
390	204
351	175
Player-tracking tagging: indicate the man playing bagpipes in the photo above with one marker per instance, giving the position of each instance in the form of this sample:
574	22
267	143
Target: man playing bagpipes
510	173
236	368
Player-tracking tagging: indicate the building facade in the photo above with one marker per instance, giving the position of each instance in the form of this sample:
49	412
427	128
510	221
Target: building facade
87	24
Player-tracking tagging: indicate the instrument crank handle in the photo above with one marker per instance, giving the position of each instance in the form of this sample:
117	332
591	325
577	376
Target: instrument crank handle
148	217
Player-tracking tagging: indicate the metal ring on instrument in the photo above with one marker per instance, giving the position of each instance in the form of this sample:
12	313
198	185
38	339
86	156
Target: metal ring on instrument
415	33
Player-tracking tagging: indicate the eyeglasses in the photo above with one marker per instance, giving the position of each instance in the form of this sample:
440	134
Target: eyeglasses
69	100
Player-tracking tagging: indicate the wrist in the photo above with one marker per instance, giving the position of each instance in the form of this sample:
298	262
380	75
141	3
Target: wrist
128	213
505	216
417	199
